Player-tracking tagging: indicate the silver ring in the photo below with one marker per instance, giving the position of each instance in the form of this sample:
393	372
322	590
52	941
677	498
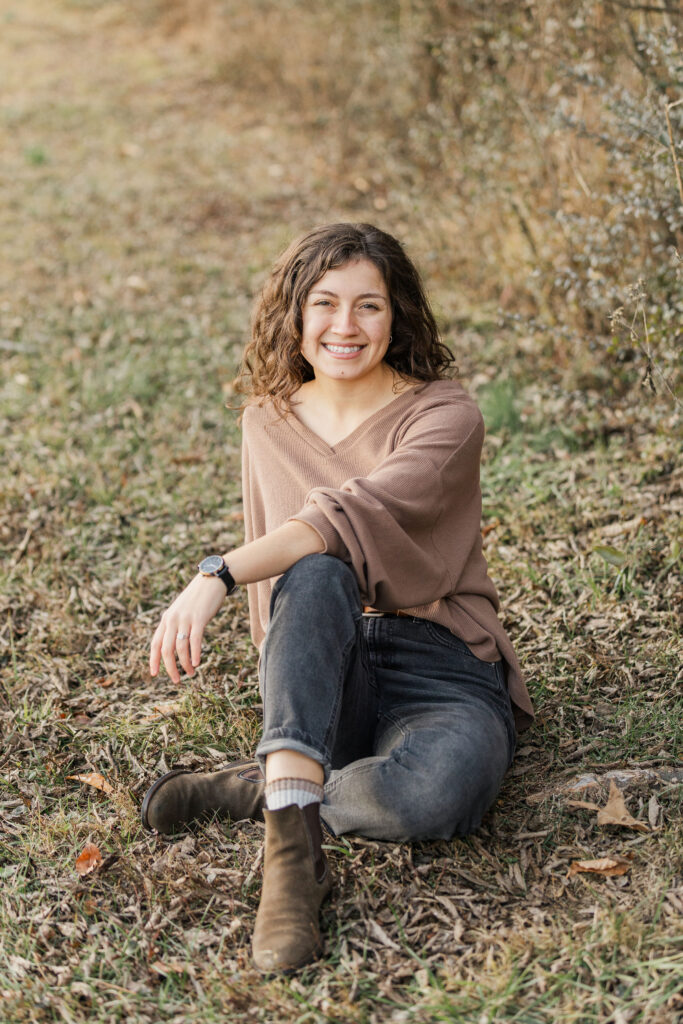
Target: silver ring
183	636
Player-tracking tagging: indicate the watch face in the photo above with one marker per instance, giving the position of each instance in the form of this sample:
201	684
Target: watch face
211	565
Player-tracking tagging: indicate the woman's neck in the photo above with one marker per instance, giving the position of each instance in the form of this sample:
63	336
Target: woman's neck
343	399
333	409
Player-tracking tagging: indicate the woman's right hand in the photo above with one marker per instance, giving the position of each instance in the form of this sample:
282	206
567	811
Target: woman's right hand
180	632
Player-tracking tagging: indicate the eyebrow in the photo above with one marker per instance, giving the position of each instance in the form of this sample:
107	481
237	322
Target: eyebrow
365	295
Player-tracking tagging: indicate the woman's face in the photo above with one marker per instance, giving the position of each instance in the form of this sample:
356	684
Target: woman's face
347	322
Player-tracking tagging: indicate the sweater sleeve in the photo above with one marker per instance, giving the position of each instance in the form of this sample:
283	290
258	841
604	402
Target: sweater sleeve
409	527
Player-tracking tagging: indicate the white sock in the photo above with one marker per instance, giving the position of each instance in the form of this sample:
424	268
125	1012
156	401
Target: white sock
285	792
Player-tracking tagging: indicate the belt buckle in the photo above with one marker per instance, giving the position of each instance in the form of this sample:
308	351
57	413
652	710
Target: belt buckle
372	613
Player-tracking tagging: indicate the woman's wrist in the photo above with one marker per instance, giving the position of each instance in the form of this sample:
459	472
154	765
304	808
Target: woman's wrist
216	566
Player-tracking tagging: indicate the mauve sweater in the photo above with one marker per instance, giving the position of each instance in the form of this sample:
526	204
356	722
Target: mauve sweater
399	501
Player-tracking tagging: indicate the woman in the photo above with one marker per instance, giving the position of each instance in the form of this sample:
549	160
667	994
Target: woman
388	683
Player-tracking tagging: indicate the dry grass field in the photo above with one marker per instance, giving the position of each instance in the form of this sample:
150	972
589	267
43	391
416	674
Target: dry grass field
154	159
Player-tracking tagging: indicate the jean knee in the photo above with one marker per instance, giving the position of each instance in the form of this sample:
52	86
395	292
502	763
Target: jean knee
428	819
442	801
319	564
320	573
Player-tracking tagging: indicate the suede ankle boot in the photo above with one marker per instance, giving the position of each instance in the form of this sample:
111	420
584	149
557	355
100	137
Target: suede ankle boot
181	797
296	880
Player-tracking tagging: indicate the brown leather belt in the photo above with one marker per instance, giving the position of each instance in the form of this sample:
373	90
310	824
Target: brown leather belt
371	612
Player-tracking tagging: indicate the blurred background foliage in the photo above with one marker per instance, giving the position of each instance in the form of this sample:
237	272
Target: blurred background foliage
529	153
531	150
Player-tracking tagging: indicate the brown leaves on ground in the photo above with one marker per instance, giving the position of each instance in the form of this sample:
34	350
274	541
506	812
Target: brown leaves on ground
89	859
614	812
605	866
95	780
163	709
166	967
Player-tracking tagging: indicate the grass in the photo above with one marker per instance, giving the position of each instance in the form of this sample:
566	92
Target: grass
122	468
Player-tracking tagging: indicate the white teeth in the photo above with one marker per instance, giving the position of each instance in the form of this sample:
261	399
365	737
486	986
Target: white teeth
343	349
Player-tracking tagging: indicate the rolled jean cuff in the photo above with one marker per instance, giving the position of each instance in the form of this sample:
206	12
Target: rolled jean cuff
292	739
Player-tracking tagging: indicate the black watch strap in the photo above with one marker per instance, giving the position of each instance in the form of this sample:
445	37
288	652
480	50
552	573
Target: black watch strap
226	576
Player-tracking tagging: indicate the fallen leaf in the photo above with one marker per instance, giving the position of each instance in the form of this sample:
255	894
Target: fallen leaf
614	529
605	866
95	780
170	967
611	555
80	989
653	811
614	812
137	283
164	708
89	859
188	458
379	933
19	966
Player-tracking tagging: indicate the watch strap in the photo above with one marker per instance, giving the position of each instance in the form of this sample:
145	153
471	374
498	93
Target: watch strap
225	575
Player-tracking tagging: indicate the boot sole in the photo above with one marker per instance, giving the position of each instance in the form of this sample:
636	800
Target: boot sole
287	972
155	787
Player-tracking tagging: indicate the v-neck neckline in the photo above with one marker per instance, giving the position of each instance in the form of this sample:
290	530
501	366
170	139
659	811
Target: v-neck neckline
317	442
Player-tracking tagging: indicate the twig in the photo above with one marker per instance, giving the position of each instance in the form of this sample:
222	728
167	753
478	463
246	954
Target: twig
578	175
672	145
648	353
580	751
254	868
648	8
532	835
22	547
652	366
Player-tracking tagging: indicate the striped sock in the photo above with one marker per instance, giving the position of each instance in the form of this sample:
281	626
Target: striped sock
285	792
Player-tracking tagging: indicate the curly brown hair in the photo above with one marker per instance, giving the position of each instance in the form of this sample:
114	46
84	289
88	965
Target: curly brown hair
273	366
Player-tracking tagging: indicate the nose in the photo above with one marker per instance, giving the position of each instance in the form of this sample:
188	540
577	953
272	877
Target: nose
344	324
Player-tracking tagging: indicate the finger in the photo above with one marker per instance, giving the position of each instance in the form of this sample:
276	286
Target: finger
196	645
155	649
168	651
182	646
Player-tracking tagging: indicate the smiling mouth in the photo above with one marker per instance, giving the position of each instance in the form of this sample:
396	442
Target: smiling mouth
342	350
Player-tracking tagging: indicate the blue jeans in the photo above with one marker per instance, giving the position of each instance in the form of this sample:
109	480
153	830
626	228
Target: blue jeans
413	731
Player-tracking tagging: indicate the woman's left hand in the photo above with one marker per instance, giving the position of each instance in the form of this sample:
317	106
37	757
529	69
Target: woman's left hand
180	632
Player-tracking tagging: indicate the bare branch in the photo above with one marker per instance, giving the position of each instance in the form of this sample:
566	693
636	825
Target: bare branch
672	146
648	8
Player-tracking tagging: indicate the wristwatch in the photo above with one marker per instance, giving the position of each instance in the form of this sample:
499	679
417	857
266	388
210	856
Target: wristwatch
214	565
